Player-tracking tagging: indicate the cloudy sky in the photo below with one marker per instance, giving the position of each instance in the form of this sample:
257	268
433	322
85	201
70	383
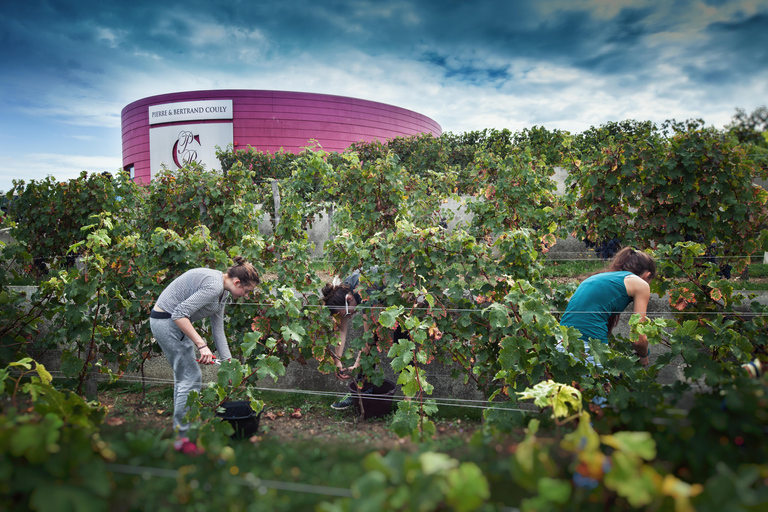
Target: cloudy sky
68	67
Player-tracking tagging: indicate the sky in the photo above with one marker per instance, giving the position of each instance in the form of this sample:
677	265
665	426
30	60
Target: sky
68	67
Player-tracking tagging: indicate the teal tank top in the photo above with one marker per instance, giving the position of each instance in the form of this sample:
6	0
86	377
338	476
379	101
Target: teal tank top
596	299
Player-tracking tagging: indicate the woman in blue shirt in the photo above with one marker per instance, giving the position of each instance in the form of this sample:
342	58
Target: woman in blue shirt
595	307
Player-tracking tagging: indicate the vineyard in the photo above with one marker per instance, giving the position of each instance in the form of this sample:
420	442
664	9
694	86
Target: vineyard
99	250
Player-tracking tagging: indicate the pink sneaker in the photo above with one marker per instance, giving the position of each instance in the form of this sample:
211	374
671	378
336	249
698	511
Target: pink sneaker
184	445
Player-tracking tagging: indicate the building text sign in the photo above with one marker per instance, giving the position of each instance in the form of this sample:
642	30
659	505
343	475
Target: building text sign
190	111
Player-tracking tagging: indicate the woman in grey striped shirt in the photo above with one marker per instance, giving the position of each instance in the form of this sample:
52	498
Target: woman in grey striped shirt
196	294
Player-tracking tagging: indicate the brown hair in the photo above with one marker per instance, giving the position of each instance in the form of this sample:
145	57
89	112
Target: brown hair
630	260
633	261
243	271
335	296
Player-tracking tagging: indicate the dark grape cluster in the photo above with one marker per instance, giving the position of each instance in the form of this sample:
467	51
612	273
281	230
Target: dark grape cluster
606	249
710	255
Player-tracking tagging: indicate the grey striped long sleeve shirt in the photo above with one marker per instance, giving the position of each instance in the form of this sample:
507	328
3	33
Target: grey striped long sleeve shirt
196	294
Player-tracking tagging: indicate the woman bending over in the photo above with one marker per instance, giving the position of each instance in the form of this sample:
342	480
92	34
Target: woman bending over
595	307
196	294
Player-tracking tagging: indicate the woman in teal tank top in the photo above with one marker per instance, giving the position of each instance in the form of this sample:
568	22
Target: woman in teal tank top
595	307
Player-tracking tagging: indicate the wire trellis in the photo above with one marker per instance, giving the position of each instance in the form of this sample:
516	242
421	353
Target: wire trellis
260	485
440	401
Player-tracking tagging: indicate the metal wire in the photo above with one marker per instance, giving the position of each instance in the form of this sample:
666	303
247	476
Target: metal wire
421	307
546	260
443	402
249	480
253	482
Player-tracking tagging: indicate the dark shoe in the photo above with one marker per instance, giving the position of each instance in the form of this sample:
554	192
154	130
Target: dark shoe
344	403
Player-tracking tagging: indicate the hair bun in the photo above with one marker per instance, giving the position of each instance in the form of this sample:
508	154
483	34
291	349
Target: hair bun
239	260
327	291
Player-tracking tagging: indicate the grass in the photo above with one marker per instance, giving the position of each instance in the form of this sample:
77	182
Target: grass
160	397
283	400
315	409
321	460
752	286
758	270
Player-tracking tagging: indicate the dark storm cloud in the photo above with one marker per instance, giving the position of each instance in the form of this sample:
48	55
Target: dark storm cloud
471	41
732	53
620	46
480	43
408	29
572	38
466	72
469	64
49	39
476	31
44	32
747	39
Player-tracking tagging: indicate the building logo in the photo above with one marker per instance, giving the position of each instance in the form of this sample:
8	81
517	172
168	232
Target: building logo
186	149
174	147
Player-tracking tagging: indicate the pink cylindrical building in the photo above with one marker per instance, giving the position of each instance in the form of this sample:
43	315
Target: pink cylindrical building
172	129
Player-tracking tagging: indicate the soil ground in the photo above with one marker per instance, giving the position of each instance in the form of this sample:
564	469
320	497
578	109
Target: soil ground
315	421
128	409
284	423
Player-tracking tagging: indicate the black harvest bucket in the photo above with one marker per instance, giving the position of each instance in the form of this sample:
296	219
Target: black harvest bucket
376	402
242	417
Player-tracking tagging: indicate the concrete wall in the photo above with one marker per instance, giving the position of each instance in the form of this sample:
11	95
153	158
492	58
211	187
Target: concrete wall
568	248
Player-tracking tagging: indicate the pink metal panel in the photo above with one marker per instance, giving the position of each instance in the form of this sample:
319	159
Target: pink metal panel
270	120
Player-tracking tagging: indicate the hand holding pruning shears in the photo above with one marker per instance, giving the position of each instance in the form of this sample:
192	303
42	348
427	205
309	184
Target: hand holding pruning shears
207	358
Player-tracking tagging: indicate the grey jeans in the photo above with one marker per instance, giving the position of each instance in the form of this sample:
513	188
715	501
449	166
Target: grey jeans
179	350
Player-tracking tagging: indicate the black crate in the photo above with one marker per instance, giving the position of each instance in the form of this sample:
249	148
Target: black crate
378	402
242	417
